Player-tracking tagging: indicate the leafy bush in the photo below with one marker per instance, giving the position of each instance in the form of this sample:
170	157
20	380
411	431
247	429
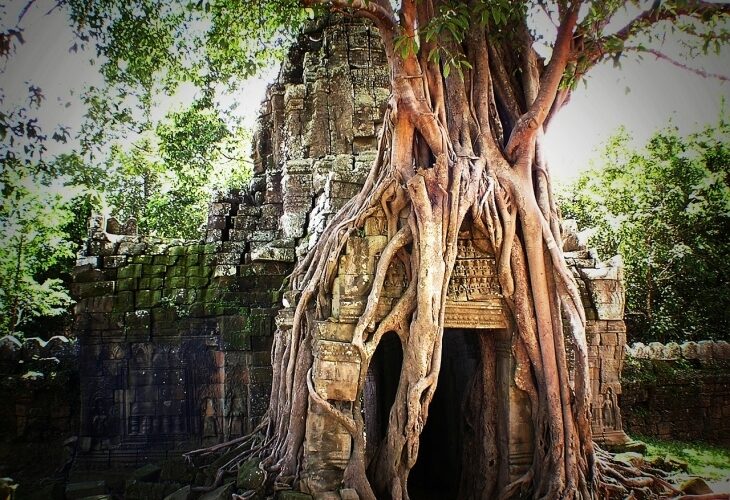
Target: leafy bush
666	210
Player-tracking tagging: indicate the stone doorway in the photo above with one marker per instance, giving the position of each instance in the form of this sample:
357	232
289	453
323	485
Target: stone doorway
381	385
438	470
452	436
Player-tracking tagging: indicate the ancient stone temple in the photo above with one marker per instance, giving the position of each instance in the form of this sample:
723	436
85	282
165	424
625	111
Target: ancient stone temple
175	336
476	318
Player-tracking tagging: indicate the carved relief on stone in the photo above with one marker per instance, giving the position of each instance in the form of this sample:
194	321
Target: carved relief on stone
116	351
235	412
376	225
478	315
142	354
160	356
606	412
610	411
99	418
210	419
474	276
474	296
395	279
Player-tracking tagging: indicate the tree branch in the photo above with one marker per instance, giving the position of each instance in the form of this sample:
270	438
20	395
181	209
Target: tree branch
529	123
408	17
25	10
382	16
593	50
659	13
679	64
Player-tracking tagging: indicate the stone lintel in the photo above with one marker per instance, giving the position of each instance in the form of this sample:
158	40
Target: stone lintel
484	315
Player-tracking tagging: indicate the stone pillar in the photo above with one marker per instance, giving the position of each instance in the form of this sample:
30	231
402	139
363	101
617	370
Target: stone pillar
602	291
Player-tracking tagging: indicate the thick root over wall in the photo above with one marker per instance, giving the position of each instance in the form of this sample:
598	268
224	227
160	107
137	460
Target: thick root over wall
451	149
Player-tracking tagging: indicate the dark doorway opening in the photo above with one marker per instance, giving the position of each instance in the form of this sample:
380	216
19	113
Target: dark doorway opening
381	385
437	471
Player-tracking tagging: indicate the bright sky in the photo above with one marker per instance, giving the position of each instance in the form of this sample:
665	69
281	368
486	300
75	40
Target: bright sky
658	93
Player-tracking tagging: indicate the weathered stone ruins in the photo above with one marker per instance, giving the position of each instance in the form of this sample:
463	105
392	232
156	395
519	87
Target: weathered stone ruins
175	336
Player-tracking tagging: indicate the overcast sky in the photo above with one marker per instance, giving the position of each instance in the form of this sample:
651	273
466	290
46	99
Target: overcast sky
643	96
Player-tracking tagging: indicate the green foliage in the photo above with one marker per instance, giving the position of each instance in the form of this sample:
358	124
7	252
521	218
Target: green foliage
148	48
34	218
168	177
22	139
161	171
705	460
657	371
666	210
449	27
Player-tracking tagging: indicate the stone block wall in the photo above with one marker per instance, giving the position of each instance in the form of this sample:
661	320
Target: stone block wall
315	139
681	392
476	305
175	335
39	405
174	341
602	292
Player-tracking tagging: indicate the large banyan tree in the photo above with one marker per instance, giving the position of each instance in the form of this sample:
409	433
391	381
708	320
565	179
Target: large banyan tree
463	139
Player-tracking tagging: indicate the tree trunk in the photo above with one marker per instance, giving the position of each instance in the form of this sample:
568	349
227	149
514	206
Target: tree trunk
16	288
457	146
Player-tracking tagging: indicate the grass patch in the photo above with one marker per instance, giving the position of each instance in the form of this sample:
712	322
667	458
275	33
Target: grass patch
705	460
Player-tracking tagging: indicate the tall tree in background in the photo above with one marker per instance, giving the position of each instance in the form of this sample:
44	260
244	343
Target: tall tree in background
162	171
168	177
666	210
33	229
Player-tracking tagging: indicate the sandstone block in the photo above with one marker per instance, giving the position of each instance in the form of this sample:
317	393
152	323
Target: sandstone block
336	370
113	261
84	261
222	271
216	222
147	299
213	235
335	331
98	288
219	209
130	247
228	259
695	486
143	259
153	270
705	351
722	350
130	271
607	296
353	285
85	489
270	253
672	351
197	282
376	226
124	302
689	350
